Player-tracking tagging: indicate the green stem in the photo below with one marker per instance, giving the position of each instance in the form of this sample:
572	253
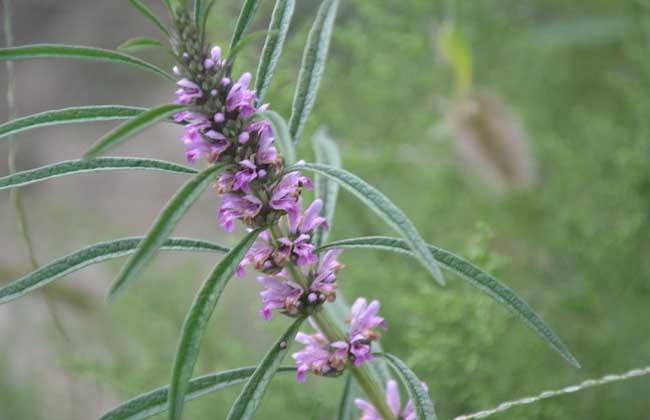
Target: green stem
328	327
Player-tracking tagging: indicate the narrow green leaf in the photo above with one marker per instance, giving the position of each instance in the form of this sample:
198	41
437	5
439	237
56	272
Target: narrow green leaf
198	11
473	275
71	167
139	44
69	116
131	128
278	28
244	43
385	208
313	65
327	152
94	254
197	320
149	14
346	405
163	227
39	51
250	397
206	16
417	392
154	402
281	134
243	22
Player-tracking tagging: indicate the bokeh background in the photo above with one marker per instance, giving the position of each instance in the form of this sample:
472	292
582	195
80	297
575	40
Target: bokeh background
538	170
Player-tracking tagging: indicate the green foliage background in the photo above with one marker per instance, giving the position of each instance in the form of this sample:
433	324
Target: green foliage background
575	245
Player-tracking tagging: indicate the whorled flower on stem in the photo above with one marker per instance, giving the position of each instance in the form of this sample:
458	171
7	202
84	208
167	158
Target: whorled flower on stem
369	412
319	356
324	358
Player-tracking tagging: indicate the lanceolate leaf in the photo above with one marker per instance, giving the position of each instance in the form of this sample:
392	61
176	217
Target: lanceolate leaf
417	391
250	397
131	128
149	14
197	320
69	116
244	43
163	227
313	65
198	11
474	276
155	402
243	22
327	152
72	167
280	20
39	51
282	137
141	43
385	208
94	254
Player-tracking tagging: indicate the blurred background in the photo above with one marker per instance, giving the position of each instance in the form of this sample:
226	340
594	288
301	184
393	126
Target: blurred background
514	133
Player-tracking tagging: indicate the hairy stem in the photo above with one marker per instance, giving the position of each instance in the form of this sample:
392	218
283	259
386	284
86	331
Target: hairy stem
328	327
14	194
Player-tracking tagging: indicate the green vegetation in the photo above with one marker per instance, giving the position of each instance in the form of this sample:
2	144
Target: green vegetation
574	243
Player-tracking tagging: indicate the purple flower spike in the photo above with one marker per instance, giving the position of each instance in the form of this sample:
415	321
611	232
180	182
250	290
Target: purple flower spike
188	92
235	207
369	412
279	294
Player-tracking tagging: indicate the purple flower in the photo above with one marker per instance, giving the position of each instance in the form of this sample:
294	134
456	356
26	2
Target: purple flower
286	194
196	145
214	59
188	92
363	320
280	293
235	207
246	175
266	152
319	356
325	275
258	255
240	98
309	220
195	119
369	412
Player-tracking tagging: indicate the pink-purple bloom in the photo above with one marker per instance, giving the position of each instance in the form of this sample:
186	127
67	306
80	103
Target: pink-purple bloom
188	92
369	412
319	356
235	207
363	321
279	293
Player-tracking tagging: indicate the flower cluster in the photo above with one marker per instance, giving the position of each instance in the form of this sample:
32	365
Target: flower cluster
223	123
369	412
329	359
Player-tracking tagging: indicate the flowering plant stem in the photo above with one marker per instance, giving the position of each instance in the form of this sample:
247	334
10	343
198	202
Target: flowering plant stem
362	373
